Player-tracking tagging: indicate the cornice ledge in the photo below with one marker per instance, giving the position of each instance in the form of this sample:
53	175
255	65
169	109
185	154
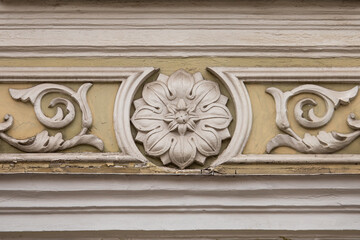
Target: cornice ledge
179	203
179	29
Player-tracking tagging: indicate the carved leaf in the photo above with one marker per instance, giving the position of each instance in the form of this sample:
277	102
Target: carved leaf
207	141
182	151
180	83
216	116
324	142
158	141
156	94
205	92
147	118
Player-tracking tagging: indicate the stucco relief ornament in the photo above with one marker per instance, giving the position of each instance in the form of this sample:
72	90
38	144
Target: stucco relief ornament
182	118
324	142
43	142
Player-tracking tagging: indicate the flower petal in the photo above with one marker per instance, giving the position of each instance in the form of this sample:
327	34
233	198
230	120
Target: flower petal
165	158
200	159
182	129
224	133
180	83
207	140
147	118
140	136
205	92
198	77
182	151
156	94
215	115
158	141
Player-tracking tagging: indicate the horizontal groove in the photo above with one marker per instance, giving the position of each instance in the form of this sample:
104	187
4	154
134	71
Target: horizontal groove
98	50
192	209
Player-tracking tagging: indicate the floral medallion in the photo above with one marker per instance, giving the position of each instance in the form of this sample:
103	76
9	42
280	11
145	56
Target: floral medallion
182	118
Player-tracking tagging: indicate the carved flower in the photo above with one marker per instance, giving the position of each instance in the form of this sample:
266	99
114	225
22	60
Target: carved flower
182	118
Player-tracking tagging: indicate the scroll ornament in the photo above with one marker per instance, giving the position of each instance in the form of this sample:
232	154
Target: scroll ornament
324	142
182	118
42	142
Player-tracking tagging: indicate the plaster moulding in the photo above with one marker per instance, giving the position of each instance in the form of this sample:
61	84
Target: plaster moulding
182	118
179	29
233	78
153	115
324	142
327	142
42	142
180	207
210	102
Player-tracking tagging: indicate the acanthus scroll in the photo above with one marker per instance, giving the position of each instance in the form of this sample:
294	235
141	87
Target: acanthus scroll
42	142
324	142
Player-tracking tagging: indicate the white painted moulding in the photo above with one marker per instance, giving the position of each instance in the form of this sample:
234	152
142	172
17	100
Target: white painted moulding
179	29
312	206
201	235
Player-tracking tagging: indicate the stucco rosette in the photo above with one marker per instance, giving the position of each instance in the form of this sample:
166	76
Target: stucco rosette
182	118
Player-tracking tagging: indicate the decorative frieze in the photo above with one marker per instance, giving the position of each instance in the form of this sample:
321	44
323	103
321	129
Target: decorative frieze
183	120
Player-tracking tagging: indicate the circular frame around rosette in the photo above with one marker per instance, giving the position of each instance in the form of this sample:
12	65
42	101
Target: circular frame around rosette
182	118
243	112
133	78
